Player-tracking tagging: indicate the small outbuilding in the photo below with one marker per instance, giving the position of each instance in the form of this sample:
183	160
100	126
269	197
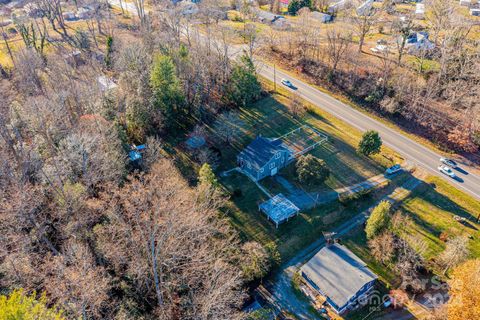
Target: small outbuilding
136	152
279	209
320	16
339	276
475	12
420	11
468	3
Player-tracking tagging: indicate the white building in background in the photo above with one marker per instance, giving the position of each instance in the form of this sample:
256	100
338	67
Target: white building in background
475	12
468	3
365	8
320	16
337	6
420	11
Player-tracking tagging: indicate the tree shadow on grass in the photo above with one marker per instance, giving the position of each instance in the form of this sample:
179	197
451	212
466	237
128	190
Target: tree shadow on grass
433	213
270	118
429	194
291	236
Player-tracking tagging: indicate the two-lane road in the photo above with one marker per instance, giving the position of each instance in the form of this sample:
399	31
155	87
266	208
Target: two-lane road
409	149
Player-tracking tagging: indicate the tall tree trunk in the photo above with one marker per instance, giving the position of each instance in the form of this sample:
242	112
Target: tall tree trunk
156	278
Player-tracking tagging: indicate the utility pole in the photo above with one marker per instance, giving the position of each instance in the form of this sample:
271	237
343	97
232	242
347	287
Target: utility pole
274	78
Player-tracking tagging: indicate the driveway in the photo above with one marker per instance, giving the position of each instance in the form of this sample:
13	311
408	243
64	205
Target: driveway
280	288
307	200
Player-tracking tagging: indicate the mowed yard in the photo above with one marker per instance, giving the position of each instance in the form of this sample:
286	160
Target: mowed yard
430	211
269	117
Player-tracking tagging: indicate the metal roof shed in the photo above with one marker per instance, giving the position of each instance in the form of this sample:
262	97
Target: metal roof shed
279	209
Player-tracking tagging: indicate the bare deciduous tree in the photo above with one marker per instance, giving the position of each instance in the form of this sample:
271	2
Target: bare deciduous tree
336	48
455	253
228	127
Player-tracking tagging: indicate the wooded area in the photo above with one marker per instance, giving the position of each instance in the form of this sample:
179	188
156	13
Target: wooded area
79	221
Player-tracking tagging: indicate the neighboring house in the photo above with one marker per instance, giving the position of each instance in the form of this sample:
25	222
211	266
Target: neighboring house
284	3
365	8
85	12
475	12
420	11
468	3
281	23
418	43
32	10
186	8
320	16
337	6
339	276
264	157
69	16
268	17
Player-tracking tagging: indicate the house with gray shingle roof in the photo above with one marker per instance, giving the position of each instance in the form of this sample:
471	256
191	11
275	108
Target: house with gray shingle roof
264	157
339	276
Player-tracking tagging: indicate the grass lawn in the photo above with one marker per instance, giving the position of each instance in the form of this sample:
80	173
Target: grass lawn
432	208
269	118
291	236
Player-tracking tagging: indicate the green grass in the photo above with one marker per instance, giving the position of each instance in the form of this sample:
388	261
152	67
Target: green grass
291	236
431	209
269	118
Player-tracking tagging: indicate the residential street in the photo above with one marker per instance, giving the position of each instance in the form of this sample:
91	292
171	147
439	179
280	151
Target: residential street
409	149
412	151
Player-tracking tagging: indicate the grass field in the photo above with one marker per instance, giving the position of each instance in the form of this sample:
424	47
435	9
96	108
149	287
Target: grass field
291	236
431	209
269	118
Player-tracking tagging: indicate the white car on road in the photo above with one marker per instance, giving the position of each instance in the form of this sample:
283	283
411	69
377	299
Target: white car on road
448	162
447	170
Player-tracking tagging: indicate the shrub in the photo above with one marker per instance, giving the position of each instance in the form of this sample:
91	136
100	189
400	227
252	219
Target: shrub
311	170
378	220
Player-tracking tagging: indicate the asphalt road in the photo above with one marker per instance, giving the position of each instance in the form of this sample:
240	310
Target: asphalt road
412	151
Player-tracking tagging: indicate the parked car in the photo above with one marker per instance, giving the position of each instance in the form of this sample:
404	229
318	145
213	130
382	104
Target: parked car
447	171
448	162
394	169
287	83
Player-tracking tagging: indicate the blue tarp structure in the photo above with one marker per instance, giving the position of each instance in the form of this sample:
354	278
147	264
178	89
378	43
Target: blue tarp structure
134	155
136	152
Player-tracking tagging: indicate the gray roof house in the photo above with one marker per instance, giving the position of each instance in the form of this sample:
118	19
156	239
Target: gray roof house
340	276
320	16
264	157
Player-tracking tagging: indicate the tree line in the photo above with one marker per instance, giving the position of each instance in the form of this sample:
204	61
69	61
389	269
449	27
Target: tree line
80	225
